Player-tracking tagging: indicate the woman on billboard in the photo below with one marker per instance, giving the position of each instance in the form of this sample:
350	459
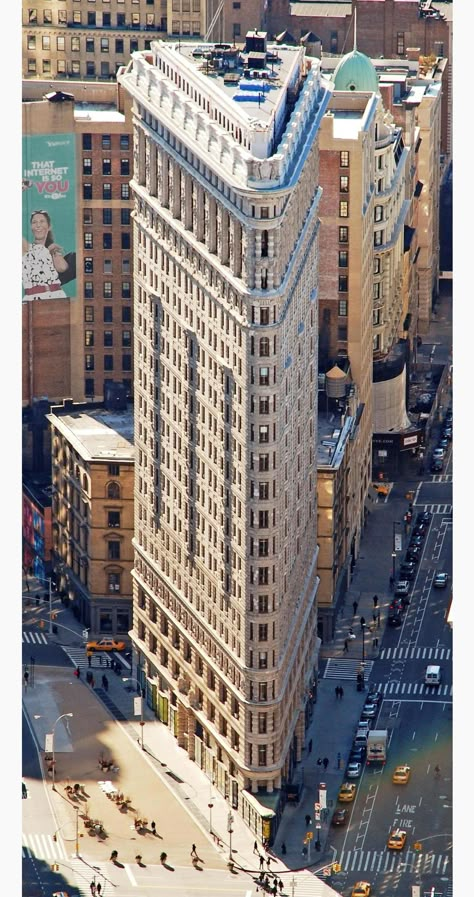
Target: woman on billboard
43	263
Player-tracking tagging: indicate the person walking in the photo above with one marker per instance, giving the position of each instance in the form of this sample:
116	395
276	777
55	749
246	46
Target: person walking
362	622
255	847
346	646
336	691
113	856
268	863
194	851
375	642
92	682
355	605
89	657
153	828
261	860
98	888
307	819
280	885
93	888
26	677
341	692
283	848
310	745
77	672
274	889
105	682
375	599
325	763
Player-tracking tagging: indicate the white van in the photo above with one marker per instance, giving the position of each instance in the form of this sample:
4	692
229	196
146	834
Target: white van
360	739
433	675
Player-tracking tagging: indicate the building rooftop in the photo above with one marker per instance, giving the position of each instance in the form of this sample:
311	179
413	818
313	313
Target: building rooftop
333	431
98	435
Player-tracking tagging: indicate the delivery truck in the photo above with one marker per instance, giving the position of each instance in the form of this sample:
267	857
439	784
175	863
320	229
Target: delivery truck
377	742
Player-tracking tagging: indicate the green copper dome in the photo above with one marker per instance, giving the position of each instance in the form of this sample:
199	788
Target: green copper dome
355	71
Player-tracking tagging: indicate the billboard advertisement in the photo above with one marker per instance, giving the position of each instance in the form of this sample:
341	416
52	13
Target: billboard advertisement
49	217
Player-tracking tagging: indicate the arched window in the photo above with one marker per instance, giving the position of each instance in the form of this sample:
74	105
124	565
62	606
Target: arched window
113	490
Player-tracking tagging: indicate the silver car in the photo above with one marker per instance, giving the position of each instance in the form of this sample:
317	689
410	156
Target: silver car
353	770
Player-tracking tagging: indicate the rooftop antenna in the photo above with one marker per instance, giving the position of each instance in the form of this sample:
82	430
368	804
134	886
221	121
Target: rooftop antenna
355	30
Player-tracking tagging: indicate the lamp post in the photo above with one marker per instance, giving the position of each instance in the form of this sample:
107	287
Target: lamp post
50	596
394	558
52	742
230	820
142	723
364	625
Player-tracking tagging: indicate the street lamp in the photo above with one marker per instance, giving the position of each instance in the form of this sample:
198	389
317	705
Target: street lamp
230	820
142	724
364	626
50	596
52	741
394	558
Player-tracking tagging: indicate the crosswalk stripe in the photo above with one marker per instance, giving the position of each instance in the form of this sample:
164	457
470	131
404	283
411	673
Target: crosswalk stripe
34	638
415	653
43	846
390	861
342	668
418	689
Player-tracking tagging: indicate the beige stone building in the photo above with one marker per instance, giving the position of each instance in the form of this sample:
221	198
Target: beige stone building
92	514
226	185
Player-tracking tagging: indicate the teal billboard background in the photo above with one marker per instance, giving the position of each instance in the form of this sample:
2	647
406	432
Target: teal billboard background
49	185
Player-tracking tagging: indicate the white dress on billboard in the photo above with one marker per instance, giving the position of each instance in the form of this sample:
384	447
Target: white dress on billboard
40	278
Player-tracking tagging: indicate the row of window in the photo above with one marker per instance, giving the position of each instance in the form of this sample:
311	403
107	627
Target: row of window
106	166
89	363
106	141
89	314
89	389
89	261
108	338
107	241
123	192
91	19
107	291
74	68
108	217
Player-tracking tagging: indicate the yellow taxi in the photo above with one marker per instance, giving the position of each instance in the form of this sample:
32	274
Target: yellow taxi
106	644
361	889
401	774
397	839
347	792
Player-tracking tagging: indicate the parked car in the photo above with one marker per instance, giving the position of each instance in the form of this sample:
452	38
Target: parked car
436	465
373	696
395	605
443	443
369	710
407	570
416	541
402	588
354	769
413	555
438	453
347	792
440	580
423	517
340	817
395	619
420	530
448	432
363	725
357	754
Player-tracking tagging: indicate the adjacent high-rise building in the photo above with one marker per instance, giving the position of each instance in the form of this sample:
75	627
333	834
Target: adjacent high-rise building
227	199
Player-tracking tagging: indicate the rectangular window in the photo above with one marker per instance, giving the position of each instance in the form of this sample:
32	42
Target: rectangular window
135	19
344	184
107	216
108	362
344	159
113	552
88	289
343	209
150	19
89	314
126	339
124	166
343	258
62	17
107	266
108	314
90	69
263	604
77	20
262	719
342	308
342	334
113	519
125	240
376	316
378	213
91	18
88	265
106	166
87	141
106	17
343	283
75	67
120	20
107	240
133	45
119	45
125	191
106	191
343	234
104	69
378	237
90	45
113	580
124	216
377	292
87	191
61	66
46	65
32	16
87	165
376	342
32	65
89	362
47	20
377	265
104	45
88	241
61	43
106	141
126	362
400	43
107	291
114	470
89	387
108	338
126	289
126	315
89	338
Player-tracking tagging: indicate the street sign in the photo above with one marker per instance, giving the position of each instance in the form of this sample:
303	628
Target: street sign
137	706
48	744
322	795
397	541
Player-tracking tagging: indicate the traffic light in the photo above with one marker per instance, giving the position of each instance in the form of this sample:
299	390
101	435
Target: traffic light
336	867
54	867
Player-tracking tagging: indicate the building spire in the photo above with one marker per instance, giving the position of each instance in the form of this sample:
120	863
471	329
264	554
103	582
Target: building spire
355	30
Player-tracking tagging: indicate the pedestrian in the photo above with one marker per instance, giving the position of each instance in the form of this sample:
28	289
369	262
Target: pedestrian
375	642
351	634
346	645
153	828
280	885
362	622
374	616
98	888
105	682
266	881
355	605
261	876
26	676
194	851
77	672
114	855
138	859
92	682
274	889
307	819
93	888
268	863
261	861
283	848
310	745
336	691
341	692
375	599
325	763
89	658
